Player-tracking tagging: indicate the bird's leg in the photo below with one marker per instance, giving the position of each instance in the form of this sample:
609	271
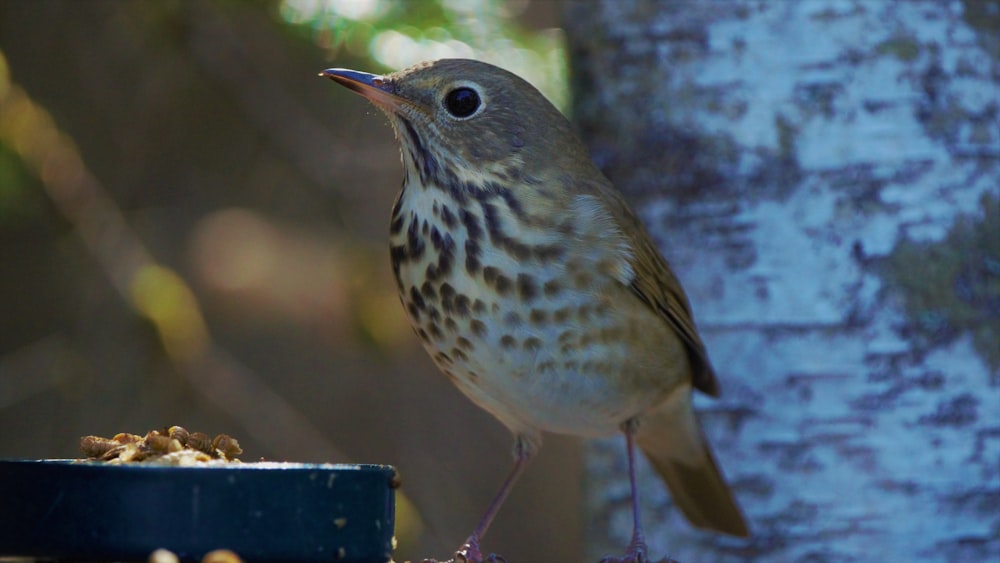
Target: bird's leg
525	447
637	551
524	450
638	544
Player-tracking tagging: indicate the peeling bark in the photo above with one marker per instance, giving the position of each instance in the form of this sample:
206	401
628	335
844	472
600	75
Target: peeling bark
823	176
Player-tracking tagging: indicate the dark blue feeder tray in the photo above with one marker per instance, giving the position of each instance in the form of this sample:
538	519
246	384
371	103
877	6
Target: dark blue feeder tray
73	510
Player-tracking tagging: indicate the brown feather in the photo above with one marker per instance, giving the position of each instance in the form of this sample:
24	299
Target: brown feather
656	285
672	440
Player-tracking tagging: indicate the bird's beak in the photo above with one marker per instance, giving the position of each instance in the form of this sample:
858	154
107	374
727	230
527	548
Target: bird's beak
372	86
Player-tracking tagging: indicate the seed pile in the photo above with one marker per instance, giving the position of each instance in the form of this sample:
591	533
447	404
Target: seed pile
170	446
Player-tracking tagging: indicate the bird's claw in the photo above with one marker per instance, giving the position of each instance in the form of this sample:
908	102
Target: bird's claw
637	553
460	558
469	553
635	557
627	558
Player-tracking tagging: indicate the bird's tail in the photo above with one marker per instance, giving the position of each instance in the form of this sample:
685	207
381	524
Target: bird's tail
672	439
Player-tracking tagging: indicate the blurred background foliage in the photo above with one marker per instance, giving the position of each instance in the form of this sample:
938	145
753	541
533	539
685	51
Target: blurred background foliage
193	231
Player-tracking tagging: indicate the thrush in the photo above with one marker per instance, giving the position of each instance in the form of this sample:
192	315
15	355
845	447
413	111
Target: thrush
535	288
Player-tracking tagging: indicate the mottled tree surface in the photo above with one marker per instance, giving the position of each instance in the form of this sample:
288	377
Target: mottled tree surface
823	175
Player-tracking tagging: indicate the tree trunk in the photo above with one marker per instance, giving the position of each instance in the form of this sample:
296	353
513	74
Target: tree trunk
823	176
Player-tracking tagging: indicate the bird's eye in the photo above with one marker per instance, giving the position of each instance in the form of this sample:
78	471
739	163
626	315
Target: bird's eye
462	102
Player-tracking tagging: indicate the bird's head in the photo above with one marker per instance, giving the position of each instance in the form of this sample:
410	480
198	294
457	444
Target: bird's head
470	118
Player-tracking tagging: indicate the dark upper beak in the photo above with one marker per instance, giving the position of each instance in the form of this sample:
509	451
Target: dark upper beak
371	86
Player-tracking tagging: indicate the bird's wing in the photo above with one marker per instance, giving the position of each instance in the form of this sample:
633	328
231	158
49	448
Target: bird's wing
656	285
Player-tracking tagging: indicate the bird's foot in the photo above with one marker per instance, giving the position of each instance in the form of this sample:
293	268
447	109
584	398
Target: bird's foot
630	557
636	557
637	553
470	553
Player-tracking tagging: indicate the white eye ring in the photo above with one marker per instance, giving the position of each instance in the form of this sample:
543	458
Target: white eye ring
463	101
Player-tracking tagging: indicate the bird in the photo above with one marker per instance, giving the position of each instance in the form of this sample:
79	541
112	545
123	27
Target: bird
535	288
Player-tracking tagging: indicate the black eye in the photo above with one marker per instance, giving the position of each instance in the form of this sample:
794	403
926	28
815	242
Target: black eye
462	102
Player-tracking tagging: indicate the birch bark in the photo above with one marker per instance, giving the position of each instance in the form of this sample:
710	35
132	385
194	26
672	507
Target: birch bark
823	176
